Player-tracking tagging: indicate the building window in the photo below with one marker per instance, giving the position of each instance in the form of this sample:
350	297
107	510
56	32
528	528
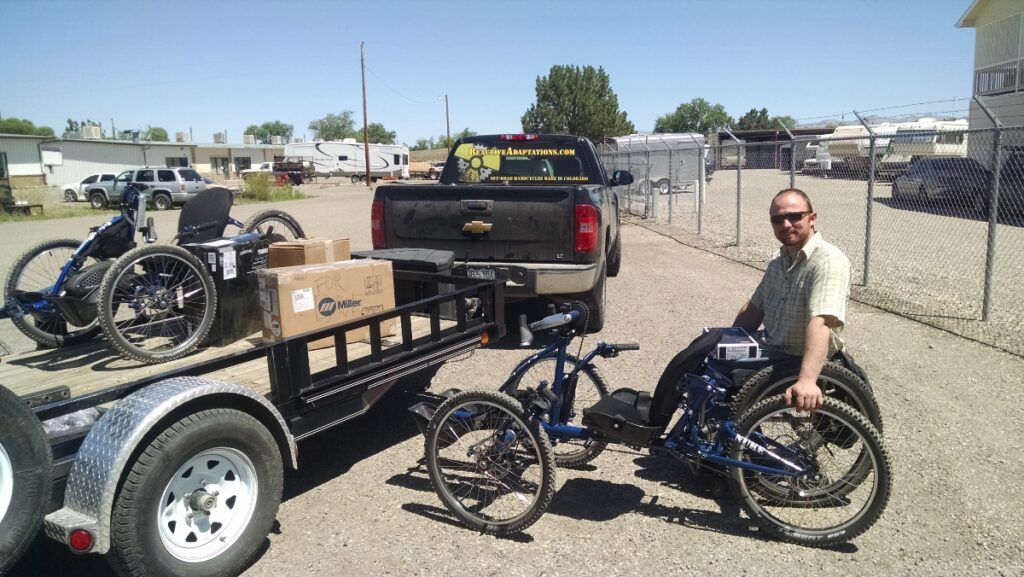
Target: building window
219	165
242	163
999	79
176	161
398	160
342	158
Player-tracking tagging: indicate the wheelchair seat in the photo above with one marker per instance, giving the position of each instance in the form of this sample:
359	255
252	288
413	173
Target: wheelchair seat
637	417
204	217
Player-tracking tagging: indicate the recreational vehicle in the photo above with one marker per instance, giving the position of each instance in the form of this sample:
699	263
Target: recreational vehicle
852	144
348	158
667	162
925	138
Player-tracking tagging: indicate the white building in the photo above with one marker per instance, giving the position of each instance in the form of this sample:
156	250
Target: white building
998	61
41	161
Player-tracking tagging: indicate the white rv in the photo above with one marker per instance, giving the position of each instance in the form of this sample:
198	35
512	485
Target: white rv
667	162
348	158
852	144
926	138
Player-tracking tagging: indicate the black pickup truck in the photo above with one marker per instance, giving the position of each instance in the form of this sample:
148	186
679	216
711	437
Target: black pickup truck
535	209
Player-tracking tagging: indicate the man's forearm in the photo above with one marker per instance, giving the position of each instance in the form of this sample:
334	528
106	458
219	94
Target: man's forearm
815	349
749	317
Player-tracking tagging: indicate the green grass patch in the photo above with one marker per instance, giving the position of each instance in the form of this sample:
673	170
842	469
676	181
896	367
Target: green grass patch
259	188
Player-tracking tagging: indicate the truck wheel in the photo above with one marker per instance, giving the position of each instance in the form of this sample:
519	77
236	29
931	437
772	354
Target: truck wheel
199	500
162	202
663	186
98	200
595	302
615	258
26	475
70	196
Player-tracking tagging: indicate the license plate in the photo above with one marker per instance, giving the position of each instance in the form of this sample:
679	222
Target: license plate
480	273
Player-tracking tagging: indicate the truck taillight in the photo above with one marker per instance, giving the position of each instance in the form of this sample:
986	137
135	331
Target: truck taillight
586	227
378	231
518	137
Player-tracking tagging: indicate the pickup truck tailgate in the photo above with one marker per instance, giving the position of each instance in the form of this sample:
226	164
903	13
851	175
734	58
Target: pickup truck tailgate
480	221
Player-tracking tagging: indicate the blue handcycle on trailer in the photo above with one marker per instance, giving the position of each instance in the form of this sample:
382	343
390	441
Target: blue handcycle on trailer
817	479
154	302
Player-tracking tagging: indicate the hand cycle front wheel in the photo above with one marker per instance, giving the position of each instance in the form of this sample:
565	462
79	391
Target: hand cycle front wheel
490	464
157	303
840	490
590	388
285	226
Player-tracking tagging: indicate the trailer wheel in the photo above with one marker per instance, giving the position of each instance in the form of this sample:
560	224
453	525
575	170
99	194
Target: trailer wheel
199	500
26	474
356	179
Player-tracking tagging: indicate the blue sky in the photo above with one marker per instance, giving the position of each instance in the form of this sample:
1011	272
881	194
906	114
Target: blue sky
222	65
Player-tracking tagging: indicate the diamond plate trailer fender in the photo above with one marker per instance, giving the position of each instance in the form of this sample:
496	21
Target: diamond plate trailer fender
104	455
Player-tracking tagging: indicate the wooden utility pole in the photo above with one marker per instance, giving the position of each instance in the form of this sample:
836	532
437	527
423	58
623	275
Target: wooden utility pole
366	126
447	125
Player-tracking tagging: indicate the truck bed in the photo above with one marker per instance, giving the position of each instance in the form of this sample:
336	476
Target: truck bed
97	366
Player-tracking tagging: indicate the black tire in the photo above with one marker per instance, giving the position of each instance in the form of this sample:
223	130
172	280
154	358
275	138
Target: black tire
615	258
236	452
70	196
285	226
479	447
26	476
833	507
835	381
162	202
595	303
142	297
663	186
98	200
589	389
356	179
36	269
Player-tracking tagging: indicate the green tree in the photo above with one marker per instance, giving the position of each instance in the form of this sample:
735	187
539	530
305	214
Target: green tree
155	134
334	126
423	144
697	115
267	130
378	134
759	120
575	100
14	125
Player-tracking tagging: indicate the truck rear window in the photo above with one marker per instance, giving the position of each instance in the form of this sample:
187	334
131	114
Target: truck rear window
520	163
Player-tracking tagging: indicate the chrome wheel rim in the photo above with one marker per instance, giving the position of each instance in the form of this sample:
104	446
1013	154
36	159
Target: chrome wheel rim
6	482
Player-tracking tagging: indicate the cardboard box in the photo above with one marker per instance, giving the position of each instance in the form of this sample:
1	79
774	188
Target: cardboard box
308	251
305	298
736	344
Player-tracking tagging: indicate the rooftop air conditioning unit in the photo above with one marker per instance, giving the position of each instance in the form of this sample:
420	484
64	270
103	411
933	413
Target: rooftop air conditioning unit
249	138
91	132
180	137
218	138
276	140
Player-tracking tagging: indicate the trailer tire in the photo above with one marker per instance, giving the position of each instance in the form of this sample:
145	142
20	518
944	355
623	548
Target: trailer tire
26	475
225	449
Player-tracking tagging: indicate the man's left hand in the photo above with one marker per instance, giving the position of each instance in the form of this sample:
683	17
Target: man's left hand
805	394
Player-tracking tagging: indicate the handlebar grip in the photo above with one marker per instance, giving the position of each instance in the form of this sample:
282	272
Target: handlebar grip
628	346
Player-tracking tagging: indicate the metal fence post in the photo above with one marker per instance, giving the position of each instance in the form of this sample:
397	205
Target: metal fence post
740	153
670	179
993	210
651	211
702	154
792	155
871	200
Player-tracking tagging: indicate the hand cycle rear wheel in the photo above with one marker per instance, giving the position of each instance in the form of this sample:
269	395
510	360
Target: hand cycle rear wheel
157	303
825	505
285	226
590	388
490	464
36	270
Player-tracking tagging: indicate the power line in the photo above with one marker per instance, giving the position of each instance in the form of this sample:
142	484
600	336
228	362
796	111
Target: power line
389	87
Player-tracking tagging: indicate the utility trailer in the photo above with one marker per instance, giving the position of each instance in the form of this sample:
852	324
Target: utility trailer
182	471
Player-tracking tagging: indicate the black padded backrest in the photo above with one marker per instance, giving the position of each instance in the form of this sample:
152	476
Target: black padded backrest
208	210
666	397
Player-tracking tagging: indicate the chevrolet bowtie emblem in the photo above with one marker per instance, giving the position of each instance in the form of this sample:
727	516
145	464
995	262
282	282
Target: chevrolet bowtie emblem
477	227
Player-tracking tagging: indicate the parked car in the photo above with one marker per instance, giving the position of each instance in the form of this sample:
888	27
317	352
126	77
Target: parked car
101	182
167	187
435	170
966	180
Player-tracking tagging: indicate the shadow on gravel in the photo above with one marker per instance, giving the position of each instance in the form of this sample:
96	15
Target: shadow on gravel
953	209
442	515
332	453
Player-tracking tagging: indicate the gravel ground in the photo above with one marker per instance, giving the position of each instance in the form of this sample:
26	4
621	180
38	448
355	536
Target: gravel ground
361	504
927	260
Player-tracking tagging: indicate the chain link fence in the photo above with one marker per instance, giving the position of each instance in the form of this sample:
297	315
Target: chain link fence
932	220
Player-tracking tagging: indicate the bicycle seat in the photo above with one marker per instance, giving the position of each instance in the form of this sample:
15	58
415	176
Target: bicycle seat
205	216
637	417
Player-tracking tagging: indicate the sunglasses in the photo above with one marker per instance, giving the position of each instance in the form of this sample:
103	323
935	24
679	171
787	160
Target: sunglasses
792	217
